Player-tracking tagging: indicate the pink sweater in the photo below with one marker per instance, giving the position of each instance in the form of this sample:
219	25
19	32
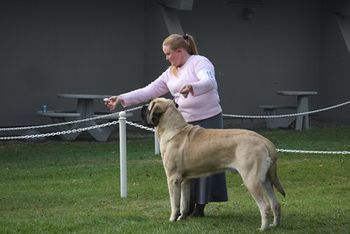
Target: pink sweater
197	71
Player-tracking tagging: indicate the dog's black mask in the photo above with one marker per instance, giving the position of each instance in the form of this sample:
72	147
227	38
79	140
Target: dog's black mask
144	114
151	121
147	120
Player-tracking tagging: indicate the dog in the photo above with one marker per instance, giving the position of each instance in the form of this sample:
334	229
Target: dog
190	151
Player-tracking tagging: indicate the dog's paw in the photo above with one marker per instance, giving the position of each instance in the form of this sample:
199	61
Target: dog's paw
272	225
174	217
181	217
263	228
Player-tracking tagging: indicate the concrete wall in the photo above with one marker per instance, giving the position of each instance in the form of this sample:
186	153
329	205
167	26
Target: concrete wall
278	49
335	64
80	46
285	46
110	47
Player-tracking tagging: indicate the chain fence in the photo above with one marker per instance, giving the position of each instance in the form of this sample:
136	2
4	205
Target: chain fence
287	115
51	134
115	114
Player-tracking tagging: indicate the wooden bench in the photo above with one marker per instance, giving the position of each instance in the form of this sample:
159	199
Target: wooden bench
276	110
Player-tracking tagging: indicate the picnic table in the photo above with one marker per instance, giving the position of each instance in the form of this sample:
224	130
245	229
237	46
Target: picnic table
84	109
302	121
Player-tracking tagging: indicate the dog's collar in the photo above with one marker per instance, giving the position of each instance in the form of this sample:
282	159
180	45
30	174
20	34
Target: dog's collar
173	101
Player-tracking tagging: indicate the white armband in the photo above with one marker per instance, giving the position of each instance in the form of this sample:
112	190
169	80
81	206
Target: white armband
206	74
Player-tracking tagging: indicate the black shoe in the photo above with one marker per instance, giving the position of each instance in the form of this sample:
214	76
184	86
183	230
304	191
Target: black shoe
198	210
191	208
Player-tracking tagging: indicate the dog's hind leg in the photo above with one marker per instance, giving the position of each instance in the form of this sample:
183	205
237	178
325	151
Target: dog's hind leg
275	205
255	188
174	186
185	198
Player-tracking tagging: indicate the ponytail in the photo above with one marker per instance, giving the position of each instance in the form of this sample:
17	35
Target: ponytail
192	47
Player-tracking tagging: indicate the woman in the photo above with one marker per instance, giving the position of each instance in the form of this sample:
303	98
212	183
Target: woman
191	79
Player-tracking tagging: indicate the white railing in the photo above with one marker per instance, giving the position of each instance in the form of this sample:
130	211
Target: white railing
122	155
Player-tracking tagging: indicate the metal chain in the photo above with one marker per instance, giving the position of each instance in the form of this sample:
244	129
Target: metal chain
312	151
140	126
60	132
116	114
139	107
60	124
279	150
152	130
286	115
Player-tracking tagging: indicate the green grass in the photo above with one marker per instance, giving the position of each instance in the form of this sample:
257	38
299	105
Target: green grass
65	187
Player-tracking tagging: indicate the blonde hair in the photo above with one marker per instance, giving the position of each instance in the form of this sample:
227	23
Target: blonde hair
175	41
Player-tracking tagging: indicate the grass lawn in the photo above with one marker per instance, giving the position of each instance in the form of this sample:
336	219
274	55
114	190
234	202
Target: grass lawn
64	187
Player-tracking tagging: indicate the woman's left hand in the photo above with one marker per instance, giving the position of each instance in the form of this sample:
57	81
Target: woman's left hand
186	90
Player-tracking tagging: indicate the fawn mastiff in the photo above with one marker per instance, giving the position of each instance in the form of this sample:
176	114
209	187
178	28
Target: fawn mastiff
190	151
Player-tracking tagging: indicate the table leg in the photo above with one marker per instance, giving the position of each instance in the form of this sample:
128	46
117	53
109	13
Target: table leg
302	121
66	137
101	134
86	108
271	123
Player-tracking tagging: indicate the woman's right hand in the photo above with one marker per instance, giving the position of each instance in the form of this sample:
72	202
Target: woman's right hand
112	102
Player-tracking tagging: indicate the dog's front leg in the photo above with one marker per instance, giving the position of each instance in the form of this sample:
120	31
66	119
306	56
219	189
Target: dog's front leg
174	185
185	199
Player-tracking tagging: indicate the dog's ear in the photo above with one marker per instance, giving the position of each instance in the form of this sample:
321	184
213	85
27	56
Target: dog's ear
155	115
155	110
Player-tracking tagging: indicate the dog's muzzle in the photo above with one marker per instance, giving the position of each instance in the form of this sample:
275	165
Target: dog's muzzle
145	116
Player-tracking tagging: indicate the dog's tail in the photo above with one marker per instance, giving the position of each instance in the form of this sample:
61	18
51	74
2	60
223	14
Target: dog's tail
272	173
274	179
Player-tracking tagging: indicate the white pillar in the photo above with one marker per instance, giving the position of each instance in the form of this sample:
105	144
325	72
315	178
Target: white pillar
156	145
122	148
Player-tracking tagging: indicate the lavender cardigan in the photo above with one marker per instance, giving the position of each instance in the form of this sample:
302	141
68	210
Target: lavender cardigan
197	71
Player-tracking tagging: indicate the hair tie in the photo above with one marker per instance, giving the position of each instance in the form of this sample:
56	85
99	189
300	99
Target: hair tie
185	36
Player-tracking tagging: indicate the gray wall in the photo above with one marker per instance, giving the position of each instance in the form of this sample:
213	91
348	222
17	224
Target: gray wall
276	50
51	47
110	47
285	46
335	69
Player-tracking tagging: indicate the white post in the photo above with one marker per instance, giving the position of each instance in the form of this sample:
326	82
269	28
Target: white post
122	148
156	145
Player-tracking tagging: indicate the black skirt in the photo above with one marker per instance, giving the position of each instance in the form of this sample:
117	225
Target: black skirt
211	188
